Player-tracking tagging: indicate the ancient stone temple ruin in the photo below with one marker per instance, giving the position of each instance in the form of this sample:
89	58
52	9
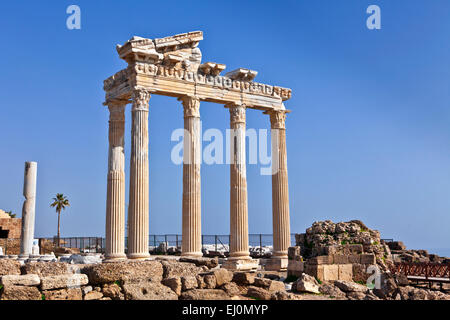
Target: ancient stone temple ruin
172	66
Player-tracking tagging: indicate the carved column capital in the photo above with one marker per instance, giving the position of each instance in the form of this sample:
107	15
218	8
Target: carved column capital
140	98
277	119
237	112
191	106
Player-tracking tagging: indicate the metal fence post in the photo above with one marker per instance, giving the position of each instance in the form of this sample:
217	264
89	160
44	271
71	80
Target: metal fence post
260	244
215	241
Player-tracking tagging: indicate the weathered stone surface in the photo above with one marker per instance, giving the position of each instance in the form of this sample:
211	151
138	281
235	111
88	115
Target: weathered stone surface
148	291
8	266
387	286
20	280
244	278
223	276
112	291
295	267
210	281
368	259
258	293
269	285
205	294
331	291
306	283
345	272
93	295
86	289
63	294
63	281
282	295
321	260
20	293
174	283
189	282
330	272
356	295
232	289
348	286
179	269
201	261
122	271
360	273
44	269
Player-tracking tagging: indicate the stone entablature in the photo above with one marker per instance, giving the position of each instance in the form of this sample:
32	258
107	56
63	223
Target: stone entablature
172	66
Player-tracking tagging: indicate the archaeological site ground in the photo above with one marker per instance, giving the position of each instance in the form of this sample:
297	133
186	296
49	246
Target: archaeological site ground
302	251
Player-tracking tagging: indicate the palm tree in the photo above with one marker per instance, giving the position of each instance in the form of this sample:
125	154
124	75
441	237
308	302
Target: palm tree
12	215
60	202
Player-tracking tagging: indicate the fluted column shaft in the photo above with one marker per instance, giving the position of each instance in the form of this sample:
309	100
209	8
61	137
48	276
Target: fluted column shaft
280	190
191	234
138	211
238	185
115	197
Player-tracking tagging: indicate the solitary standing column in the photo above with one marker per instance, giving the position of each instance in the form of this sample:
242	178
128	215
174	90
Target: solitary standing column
280	192
192	232
28	210
138	210
115	198
239	253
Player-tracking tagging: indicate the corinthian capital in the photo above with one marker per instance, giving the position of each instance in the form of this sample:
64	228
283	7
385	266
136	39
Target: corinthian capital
278	119
237	112
191	106
140	98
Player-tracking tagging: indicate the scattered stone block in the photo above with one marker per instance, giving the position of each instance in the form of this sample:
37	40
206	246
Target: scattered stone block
223	276
174	283
269	285
148	291
179	269
63	281
8	267
306	283
93	295
20	293
45	269
204	294
210	281
20	280
121	271
331	291
349	286
258	293
63	294
244	278
188	283
112	291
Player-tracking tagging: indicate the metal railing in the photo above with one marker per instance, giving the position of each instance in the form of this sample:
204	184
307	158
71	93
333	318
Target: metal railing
212	244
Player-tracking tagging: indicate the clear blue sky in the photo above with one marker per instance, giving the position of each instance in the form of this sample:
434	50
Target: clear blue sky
368	136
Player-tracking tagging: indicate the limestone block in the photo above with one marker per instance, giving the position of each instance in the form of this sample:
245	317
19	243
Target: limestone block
179	269
244	278
232	289
258	293
201	261
8	266
295	268
63	294
20	293
341	258
330	272
205	294
276	264
121	271
354	248
189	282
354	258
223	276
345	272
112	291
174	283
269	285
315	271
20	280
368	259
321	260
293	252
63	281
360	273
210	281
148	291
44	269
93	295
349	286
306	283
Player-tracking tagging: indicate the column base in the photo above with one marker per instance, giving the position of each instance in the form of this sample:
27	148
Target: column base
241	264
276	264
138	256
192	254
115	257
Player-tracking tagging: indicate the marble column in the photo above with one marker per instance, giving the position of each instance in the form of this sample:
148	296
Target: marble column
28	210
191	226
138	210
238	185
280	191
115	197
